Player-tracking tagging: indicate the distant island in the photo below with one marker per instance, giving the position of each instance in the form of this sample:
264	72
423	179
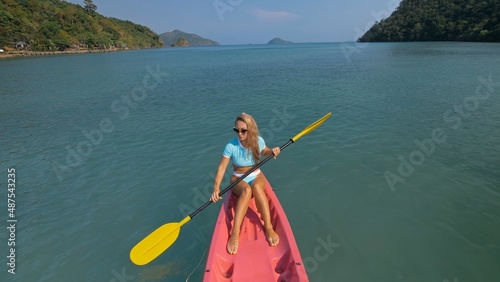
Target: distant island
181	42
439	20
178	38
276	41
36	27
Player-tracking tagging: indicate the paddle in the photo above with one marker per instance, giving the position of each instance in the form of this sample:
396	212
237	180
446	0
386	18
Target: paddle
157	242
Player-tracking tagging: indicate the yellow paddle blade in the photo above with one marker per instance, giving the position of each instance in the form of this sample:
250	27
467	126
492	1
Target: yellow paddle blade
311	127
156	243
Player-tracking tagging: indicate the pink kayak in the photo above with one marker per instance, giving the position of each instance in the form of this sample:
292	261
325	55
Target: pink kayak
255	260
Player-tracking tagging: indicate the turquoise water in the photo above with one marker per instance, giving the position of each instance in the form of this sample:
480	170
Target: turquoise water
402	183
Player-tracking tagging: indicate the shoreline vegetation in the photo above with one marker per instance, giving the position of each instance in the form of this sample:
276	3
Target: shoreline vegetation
439	20
48	27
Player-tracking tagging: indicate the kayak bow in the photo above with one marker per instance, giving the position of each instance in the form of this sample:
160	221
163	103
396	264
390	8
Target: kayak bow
255	259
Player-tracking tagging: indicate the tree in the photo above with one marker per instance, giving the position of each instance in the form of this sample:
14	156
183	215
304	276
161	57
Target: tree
439	20
90	7
49	25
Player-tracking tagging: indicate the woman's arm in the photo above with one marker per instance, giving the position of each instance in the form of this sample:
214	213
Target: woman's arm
218	178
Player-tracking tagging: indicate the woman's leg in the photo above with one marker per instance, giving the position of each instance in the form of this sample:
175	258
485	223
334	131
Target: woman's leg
258	191
244	193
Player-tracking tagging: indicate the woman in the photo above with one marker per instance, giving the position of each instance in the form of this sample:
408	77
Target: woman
244	152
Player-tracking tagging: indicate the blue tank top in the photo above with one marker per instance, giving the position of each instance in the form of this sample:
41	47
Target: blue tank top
239	155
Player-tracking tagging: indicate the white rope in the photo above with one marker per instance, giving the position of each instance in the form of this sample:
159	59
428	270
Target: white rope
187	279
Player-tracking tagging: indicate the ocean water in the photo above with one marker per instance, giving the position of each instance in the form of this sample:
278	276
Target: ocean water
402	183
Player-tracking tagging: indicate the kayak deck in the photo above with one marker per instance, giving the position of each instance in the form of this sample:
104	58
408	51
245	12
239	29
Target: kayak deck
255	260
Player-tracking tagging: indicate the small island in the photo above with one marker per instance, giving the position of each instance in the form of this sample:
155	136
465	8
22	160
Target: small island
181	42
278	41
177	38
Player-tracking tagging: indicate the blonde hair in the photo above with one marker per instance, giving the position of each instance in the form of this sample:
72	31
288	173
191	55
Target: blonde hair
252	135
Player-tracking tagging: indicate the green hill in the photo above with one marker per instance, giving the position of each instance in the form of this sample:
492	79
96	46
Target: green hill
51	25
171	38
439	20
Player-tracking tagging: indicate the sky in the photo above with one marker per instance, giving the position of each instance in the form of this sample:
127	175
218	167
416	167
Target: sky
254	21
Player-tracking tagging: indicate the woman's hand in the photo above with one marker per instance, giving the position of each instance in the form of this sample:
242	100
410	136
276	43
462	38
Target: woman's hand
276	151
215	195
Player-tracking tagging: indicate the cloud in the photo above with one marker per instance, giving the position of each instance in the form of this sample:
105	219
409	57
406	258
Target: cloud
265	15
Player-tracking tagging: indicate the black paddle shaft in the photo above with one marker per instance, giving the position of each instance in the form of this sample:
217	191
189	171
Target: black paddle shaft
256	166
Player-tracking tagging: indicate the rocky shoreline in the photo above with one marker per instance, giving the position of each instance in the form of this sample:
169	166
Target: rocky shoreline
11	54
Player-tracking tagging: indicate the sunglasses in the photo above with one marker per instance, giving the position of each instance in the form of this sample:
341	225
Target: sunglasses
242	131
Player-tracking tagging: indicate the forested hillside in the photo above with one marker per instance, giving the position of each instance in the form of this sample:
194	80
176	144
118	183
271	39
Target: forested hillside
51	25
439	20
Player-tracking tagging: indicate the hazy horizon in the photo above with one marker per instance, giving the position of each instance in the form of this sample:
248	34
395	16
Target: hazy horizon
236	22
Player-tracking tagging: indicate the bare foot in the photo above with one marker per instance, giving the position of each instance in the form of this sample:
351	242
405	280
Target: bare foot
232	243
272	237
